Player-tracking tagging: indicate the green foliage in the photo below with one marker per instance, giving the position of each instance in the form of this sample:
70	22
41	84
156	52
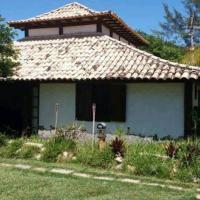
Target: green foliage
95	158
28	152
181	27
56	146
3	139
7	52
160	48
11	150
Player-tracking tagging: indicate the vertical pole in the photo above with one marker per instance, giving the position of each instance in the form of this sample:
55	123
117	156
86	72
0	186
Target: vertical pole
56	122
93	124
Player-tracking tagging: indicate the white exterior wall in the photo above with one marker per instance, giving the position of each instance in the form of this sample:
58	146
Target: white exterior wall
156	108
152	108
80	29
105	30
50	94
43	31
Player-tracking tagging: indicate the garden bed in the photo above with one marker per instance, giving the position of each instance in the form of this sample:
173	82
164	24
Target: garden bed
173	160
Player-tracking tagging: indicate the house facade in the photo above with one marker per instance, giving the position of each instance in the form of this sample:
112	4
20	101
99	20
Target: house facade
74	57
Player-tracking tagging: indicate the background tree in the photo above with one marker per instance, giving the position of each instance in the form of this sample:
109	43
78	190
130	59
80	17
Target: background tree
183	27
192	57
166	50
7	52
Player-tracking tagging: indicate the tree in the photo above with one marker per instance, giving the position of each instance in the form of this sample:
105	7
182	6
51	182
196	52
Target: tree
183	27
192	57
166	50
8	54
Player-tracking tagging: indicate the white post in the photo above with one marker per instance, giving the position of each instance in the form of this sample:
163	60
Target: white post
93	125
56	122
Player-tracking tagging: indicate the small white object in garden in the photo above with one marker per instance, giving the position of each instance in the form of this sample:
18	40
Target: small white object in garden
21	166
119	159
62	171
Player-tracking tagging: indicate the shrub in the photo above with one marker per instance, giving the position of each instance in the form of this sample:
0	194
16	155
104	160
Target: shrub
11	150
171	150
56	146
147	162
28	152
3	139
71	132
118	146
95	157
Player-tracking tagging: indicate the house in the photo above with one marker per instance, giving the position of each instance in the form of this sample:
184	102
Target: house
74	56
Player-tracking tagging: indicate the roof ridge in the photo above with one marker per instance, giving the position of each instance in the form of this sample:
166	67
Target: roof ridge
92	11
176	64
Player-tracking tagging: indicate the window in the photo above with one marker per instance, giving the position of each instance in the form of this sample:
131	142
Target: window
110	100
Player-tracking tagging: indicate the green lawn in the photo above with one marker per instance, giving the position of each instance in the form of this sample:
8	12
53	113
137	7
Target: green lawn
17	184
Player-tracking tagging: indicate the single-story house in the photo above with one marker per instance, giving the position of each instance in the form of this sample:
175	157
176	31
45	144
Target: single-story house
74	56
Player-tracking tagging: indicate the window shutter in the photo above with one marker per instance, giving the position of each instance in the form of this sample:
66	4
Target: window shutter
84	102
118	102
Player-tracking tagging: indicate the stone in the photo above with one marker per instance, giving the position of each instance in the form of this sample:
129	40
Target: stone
119	167
82	175
127	180
33	144
62	171
21	166
38	156
103	178
119	159
40	169
131	168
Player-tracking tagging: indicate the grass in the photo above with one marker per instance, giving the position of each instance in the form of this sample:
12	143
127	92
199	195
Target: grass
19	185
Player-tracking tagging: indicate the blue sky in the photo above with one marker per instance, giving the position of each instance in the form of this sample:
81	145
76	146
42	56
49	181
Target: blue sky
139	14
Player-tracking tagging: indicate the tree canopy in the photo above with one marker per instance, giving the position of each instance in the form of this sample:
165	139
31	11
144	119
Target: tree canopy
7	52
163	49
182	27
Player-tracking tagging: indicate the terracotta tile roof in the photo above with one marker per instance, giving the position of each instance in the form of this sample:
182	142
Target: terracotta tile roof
75	12
67	11
93	57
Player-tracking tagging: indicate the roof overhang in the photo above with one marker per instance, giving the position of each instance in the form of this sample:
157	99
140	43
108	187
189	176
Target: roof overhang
110	19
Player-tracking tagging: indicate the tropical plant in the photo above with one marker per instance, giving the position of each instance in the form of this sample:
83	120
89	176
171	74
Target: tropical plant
118	146
56	146
171	149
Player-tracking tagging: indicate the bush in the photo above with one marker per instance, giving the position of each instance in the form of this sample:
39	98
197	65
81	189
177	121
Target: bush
71	131
11	150
3	139
28	152
147	162
56	146
171	150
95	157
